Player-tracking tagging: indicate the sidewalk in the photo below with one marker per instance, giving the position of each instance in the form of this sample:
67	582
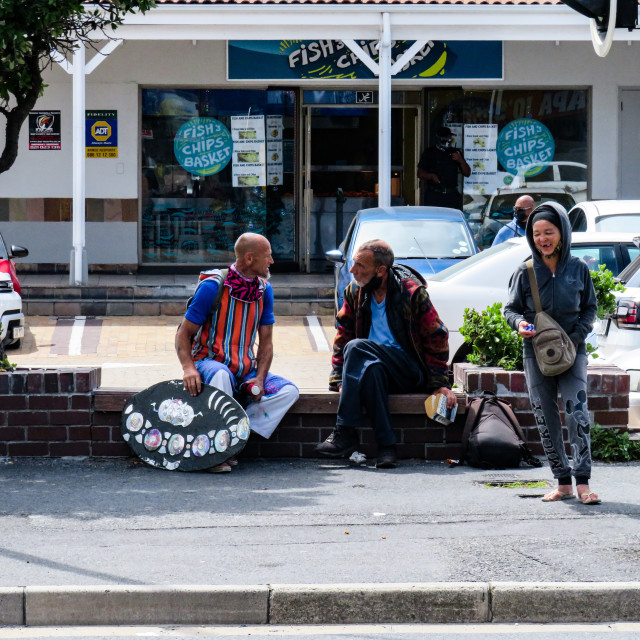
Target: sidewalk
310	541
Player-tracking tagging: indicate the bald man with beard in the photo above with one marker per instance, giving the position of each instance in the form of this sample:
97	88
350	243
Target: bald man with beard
209	352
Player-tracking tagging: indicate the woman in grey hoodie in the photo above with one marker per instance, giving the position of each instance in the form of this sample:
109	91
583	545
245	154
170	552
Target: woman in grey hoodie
568	296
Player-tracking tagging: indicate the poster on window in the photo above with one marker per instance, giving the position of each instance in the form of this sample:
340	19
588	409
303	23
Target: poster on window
274	150
480	153
248	167
44	131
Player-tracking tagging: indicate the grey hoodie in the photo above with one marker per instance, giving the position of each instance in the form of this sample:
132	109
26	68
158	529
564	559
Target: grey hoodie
567	296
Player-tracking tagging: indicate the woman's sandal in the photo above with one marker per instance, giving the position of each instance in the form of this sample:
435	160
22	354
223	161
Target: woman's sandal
590	498
556	495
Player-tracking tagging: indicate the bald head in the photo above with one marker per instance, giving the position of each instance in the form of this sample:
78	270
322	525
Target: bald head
525	202
253	255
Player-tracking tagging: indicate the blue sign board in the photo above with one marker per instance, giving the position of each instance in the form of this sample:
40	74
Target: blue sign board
203	146
332	60
101	134
525	146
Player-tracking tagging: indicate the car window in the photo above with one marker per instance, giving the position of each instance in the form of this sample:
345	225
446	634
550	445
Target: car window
626	222
474	262
572	173
630	275
578	220
595	255
634	251
3	250
420	238
546	175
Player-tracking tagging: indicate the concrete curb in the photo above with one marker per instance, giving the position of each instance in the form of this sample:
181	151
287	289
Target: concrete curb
444	602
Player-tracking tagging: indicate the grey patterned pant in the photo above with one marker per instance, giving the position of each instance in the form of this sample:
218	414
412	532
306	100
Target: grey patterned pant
543	395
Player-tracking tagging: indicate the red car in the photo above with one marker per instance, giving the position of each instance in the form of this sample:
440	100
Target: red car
7	265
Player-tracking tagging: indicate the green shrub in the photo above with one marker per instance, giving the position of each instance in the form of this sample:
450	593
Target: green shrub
494	342
604	284
610	445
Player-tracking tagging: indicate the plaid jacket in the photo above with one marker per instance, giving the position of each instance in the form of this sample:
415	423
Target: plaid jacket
412	319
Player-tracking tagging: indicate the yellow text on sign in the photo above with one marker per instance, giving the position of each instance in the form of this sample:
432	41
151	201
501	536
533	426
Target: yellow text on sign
103	152
101	130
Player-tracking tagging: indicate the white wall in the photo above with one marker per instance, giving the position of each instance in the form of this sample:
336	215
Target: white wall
115	85
107	242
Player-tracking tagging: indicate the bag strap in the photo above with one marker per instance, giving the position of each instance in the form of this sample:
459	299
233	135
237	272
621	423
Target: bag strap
533	282
474	411
216	302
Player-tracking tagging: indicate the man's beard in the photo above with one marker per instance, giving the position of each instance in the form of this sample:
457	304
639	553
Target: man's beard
372	285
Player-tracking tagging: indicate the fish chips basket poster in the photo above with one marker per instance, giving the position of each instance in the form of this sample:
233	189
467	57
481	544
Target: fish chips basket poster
203	146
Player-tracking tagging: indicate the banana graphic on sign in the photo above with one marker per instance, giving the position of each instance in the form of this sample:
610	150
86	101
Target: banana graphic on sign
437	68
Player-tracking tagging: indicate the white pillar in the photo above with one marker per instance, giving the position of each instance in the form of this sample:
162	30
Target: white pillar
78	268
384	114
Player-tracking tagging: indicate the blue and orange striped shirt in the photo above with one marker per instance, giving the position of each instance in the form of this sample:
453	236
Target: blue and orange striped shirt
229	335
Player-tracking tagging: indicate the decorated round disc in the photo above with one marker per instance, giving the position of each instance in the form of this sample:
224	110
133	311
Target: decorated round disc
168	428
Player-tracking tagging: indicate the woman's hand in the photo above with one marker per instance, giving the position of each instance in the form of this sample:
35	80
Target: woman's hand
525	331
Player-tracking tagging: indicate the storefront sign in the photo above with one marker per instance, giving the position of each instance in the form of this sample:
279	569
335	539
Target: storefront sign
44	130
101	134
332	60
249	167
524	146
203	146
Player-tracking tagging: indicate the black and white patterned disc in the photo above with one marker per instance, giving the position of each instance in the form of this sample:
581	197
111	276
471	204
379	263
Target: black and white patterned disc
168	428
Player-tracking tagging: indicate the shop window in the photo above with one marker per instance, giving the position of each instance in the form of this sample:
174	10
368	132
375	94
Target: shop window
516	142
216	163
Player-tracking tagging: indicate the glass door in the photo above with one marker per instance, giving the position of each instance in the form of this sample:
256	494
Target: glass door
341	170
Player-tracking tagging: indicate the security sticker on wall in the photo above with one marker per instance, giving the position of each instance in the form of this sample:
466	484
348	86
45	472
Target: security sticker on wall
101	134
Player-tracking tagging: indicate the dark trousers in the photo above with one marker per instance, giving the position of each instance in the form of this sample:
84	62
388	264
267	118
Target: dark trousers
371	371
452	199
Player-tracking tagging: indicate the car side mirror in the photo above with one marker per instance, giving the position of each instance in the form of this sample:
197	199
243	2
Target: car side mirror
18	252
335	255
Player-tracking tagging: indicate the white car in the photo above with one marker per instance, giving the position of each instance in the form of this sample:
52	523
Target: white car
569	176
11	316
605	215
629	361
620	333
483	279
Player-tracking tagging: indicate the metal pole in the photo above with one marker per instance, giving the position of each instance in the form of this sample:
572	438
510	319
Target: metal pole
384	115
77	266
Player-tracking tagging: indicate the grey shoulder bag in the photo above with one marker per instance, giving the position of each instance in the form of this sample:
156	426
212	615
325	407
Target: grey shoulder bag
555	351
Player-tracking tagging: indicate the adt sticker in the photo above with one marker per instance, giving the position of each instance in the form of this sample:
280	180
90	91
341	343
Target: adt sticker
525	146
203	146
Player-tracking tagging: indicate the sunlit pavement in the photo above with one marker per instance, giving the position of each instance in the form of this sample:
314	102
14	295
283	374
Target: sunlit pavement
136	352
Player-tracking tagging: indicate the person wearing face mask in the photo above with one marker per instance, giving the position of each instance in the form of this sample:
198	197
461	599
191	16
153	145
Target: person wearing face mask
522	210
389	339
438	168
568	296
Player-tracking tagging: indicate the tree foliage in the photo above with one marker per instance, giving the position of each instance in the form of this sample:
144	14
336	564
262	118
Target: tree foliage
31	32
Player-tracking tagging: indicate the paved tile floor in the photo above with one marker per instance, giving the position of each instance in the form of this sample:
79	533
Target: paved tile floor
136	352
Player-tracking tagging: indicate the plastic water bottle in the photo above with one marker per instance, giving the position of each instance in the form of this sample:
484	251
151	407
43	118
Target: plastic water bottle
250	389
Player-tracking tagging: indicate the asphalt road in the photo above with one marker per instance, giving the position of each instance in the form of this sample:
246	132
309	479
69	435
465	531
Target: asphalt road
92	522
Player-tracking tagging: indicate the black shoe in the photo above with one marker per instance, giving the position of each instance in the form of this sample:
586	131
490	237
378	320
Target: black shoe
386	457
341	443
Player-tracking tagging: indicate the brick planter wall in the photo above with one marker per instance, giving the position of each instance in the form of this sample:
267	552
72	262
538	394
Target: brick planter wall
607	395
62	412
47	412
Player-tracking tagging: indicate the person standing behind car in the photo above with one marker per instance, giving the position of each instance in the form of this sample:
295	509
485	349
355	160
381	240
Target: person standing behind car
517	227
568	296
438	168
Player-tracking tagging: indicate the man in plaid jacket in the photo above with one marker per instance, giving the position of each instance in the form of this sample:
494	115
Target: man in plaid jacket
390	339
